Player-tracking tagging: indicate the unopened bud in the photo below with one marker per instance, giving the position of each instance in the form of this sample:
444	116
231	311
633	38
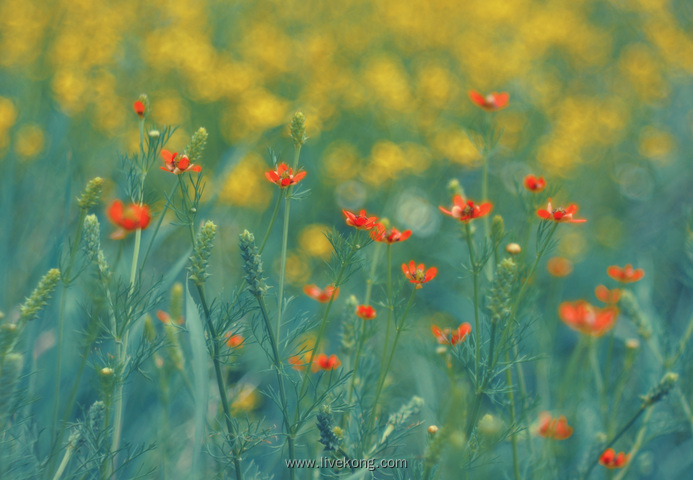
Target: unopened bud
513	248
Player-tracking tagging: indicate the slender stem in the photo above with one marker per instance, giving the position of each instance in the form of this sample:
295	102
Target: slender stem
63	465
639	438
390	306
511	399
682	346
282	270
475	276
158	225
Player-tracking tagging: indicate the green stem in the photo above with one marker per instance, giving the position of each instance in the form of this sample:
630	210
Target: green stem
158	225
390	306
513	436
639	438
475	275
282	270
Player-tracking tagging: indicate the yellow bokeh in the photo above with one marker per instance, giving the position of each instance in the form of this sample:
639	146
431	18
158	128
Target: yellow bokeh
656	144
30	141
246	184
312	240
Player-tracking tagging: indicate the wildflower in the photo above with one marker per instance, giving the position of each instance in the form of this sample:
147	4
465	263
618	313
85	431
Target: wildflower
128	219
559	266
380	234
445	336
612	460
177	164
560	214
365	312
299	362
234	341
283	175
556	428
323	362
165	318
320	295
491	102
139	108
627	274
605	295
415	274
588	319
465	210
361	221
534	184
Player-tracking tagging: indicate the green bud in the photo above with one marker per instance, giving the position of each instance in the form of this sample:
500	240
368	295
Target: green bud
39	297
92	194
197	145
298	129
202	252
252	264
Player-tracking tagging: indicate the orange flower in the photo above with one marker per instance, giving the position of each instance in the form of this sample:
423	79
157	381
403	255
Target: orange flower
177	164
139	108
284	176
361	221
365	312
559	266
491	102
322	296
588	319
166	318
560	214
611	460
380	234
465	210
627	274
605	295
445	336
556	428
534	184
299	362
234	341
323	362
128	219
416	274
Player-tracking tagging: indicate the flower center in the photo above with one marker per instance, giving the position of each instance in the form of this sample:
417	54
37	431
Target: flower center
419	275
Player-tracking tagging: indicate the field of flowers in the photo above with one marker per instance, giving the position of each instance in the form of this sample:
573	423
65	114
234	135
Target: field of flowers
408	240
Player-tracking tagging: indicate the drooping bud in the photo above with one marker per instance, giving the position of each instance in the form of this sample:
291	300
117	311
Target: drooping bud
298	129
202	252
92	194
252	264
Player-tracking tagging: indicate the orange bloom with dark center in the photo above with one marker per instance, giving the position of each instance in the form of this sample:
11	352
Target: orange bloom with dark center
320	295
560	214
446	336
491	102
365	312
178	164
166	318
234	341
418	274
128	219
588	319
465	210
605	295
559	266
323	362
380	234
627	274
139	108
361	221
534	184
556	428
284	176
612	460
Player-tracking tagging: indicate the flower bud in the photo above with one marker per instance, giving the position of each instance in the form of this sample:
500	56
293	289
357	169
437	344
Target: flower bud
513	248
92	193
298	129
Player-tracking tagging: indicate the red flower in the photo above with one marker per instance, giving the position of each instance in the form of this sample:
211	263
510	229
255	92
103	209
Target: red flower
361	221
139	108
588	319
560	214
416	274
491	102
322	296
283	175
234	341
534	184
166	318
445	336
605	295
611	460
128	219
299	362
323	362
465	210
556	428
627	274
559	266
177	164
365	312
380	234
